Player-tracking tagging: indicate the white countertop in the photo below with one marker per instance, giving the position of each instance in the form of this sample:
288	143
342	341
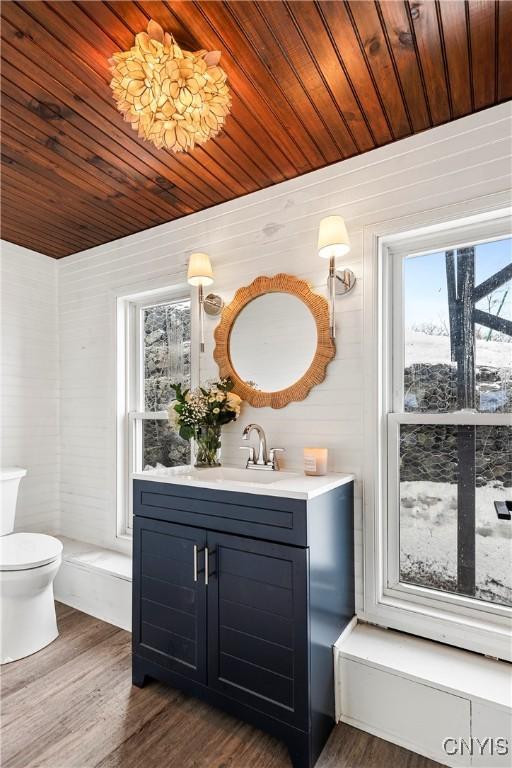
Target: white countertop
291	485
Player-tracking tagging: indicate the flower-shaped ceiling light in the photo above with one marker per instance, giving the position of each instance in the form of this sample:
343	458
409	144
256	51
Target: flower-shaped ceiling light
174	98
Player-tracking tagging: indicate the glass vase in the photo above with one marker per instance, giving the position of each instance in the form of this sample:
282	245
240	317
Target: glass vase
207	446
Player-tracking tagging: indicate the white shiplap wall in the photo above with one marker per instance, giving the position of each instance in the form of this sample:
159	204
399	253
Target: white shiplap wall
29	383
263	233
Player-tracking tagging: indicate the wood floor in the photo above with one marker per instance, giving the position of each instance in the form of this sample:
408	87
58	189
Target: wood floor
72	705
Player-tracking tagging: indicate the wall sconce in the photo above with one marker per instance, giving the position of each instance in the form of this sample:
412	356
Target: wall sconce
200	273
333	242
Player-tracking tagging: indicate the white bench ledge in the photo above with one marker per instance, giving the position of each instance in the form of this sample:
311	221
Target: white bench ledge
96	581
441	666
93	557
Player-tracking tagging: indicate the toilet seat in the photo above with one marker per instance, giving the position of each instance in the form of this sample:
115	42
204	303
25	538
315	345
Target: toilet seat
23	551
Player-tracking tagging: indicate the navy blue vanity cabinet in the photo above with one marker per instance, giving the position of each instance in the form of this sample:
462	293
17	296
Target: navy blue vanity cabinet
238	599
169	596
257	602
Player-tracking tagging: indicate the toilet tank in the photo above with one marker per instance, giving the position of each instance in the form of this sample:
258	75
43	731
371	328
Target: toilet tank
10	479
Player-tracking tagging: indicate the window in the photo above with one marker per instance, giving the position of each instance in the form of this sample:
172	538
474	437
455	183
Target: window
451	475
163	358
439	543
154	334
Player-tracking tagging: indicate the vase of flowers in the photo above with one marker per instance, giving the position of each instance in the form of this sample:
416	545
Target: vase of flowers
207	445
200	414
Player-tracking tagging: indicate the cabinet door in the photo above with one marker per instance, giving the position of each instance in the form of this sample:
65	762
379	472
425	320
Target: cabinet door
169	596
258	625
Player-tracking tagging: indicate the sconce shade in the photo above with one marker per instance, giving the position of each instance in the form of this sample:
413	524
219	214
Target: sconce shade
200	270
333	240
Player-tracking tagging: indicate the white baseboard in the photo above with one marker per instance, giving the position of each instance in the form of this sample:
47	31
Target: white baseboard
98	593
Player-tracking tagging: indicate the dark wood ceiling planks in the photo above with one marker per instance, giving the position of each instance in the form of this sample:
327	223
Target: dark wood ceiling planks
312	83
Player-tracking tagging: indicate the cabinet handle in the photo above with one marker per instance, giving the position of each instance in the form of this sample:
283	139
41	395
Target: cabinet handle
195	562
206	566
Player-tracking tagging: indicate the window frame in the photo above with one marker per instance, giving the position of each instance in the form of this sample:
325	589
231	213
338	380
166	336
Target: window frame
130	388
444	617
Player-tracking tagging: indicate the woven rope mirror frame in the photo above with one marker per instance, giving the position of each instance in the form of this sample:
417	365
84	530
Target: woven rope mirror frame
325	348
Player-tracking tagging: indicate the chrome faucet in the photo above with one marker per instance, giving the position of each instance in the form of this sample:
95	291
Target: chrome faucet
263	461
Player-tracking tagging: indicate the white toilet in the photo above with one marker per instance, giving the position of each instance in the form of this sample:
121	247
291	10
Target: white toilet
28	565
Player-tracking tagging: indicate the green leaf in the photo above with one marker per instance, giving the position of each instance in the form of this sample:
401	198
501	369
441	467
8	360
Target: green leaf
186	432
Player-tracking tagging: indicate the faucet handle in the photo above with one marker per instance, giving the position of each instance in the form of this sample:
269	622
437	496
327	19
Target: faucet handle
273	458
250	459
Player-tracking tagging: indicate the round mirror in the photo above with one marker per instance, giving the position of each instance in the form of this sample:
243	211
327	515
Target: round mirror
274	341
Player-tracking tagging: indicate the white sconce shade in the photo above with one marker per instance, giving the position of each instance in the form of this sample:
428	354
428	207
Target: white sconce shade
333	240
200	273
200	270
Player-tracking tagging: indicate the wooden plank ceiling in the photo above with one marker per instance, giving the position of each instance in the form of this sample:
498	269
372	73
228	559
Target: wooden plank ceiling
312	83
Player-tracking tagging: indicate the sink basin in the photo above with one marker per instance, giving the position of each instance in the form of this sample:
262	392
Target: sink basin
235	475
230	475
